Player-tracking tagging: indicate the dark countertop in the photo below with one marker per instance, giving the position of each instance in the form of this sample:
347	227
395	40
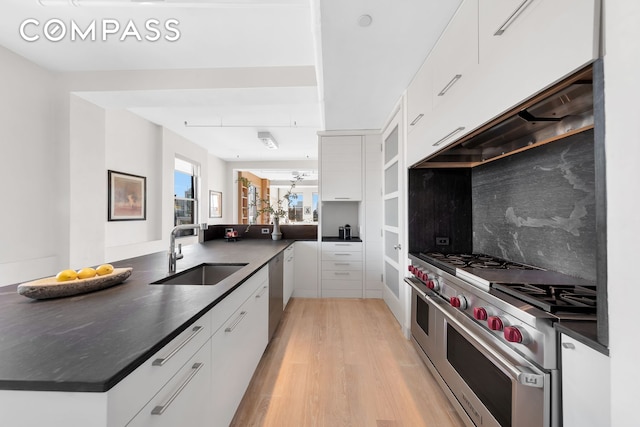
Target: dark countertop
337	239
583	331
90	342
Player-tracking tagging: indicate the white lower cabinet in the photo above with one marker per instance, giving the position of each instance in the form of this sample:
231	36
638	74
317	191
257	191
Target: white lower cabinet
586	384
185	399
342	270
237	348
288	275
305	272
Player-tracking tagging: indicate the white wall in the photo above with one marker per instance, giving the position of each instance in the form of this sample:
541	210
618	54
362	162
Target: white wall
57	148
622	62
218	179
32	172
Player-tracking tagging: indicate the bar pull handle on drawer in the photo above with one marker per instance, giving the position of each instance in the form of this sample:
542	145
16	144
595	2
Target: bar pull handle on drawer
264	289
159	410
511	19
162	360
450	84
449	135
238	320
417	119
342	254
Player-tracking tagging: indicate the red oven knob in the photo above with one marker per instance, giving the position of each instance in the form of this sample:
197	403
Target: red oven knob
514	334
495	323
480	313
459	302
411	269
433	284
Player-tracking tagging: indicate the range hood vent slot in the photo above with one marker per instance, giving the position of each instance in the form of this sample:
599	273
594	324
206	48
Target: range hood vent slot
559	112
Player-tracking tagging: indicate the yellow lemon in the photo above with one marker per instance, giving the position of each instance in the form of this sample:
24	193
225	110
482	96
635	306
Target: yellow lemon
66	275
104	269
86	273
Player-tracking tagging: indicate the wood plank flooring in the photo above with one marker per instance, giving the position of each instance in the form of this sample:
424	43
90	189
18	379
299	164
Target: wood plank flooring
342	362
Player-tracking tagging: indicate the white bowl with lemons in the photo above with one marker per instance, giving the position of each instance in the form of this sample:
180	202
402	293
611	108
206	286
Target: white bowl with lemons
71	282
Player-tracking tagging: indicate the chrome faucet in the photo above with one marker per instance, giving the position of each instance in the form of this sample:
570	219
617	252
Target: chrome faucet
173	256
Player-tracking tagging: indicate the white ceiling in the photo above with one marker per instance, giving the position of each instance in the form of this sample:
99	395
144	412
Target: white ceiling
361	71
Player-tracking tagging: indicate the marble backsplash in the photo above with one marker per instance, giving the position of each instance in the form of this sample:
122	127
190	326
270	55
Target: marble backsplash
538	207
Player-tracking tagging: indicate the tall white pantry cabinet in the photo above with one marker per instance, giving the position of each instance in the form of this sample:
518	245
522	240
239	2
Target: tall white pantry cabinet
350	193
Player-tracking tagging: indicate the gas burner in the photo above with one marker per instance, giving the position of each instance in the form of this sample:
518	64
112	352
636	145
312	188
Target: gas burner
481	261
554	298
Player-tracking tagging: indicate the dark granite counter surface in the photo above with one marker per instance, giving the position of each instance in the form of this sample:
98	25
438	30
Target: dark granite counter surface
90	342
337	239
584	332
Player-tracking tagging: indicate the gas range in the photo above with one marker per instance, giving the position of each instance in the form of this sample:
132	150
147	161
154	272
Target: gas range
549	291
516	304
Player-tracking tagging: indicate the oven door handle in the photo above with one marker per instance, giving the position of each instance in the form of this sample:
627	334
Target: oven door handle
523	374
422	293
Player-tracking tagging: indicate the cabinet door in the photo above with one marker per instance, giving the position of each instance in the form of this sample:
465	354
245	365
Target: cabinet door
455	84
585	385
341	168
237	348
185	399
306	270
528	45
288	274
456	54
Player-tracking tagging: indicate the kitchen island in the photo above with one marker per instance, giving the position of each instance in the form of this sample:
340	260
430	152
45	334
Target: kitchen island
87	344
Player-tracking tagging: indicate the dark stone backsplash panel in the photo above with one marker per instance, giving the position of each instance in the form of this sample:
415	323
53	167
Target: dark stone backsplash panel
538	207
439	206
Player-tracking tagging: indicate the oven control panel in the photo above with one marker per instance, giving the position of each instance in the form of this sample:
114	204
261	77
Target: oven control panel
530	337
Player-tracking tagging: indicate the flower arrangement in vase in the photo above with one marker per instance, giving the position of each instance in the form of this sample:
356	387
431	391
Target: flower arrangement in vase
278	210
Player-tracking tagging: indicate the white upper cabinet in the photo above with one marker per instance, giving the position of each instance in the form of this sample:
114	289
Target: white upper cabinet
493	55
455	56
341	168
419	110
528	45
443	86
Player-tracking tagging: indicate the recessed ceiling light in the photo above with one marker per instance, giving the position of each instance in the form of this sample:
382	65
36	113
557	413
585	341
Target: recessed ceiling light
365	20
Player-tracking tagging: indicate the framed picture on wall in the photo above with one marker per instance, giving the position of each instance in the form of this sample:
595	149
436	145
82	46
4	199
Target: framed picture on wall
127	197
215	204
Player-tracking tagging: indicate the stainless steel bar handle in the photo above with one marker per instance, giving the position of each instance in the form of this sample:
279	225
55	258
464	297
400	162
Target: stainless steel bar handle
450	84
522	374
264	289
238	320
342	254
159	410
512	18
416	120
449	135
343	198
343	244
162	360
341	263
413	285
341	273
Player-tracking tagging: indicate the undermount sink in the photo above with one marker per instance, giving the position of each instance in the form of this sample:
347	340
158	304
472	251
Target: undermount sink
202	275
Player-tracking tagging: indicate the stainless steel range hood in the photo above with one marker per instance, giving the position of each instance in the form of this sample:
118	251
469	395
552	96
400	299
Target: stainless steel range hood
563	110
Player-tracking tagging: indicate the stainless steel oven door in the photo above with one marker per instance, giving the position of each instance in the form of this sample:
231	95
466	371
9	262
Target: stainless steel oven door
494	385
423	319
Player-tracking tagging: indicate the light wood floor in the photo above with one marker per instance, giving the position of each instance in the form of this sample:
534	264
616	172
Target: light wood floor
342	362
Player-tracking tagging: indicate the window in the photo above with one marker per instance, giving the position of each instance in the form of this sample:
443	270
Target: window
185	192
295	208
314	206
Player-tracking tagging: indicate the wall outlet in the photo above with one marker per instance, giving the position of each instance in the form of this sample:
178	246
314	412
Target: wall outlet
265	231
442	241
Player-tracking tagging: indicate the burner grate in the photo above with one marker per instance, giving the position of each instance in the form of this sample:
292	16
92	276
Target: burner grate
554	298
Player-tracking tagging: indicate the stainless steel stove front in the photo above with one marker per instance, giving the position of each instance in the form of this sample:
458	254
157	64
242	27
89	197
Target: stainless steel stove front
466	337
